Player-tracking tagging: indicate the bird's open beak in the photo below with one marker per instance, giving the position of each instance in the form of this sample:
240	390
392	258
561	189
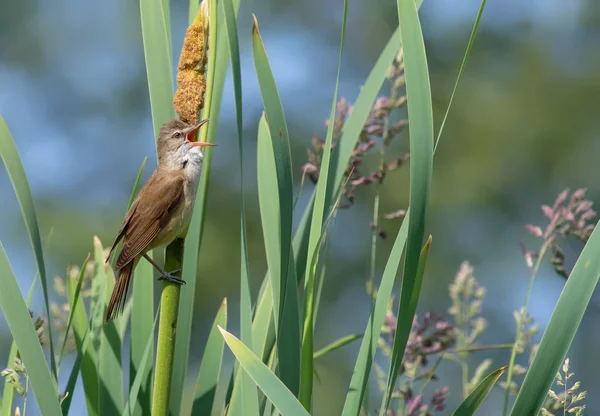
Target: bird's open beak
191	135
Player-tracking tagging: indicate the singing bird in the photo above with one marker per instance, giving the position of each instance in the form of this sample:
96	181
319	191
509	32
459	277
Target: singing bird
163	208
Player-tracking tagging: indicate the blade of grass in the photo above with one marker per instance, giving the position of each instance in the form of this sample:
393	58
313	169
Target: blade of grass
217	54
71	310
157	54
286	317
18	178
281	397
204	390
130	406
316	233
262	326
288	334
21	327
83	336
248	393
477	396
336	345
110	392
65	404
362	369
9	390
369	344
561	329
420	121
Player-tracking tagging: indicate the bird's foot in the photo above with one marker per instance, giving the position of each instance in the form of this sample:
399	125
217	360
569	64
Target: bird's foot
170	277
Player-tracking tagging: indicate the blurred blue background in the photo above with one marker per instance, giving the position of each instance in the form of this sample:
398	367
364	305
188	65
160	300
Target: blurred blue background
523	127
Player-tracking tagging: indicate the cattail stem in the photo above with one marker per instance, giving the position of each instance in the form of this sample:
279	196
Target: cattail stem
167	329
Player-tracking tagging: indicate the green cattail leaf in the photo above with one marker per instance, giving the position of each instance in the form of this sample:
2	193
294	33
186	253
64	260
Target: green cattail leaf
561	329
210	368
21	327
478	395
18	178
281	397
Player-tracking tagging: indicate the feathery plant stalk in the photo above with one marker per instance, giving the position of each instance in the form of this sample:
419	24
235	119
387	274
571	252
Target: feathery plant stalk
169	305
522	312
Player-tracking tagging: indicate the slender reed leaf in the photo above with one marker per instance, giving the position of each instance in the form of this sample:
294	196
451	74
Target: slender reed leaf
83	337
284	282
262	328
248	393
336	345
18	178
369	344
110	375
8	393
288	333
316	233
72	310
65	403
21	327
210	368
157	54
217	54
281	397
420	121
477	396
561	329
130	405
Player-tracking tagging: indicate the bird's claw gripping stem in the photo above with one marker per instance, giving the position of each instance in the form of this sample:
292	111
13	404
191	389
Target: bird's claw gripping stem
170	277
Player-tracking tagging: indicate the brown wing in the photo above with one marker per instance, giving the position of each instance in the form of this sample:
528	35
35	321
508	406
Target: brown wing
123	228
156	200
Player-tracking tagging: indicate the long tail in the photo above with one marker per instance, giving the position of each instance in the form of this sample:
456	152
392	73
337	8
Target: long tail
119	294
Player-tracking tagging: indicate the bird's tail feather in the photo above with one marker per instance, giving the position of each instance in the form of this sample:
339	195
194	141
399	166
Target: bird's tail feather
119	294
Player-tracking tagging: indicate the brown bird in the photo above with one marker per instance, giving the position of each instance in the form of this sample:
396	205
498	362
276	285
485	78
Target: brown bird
163	208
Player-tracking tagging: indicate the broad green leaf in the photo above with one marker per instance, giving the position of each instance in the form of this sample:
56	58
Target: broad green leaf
21	328
110	374
336	345
477	396
217	56
140	378
18	178
561	329
210	368
8	393
157	54
320	208
281	397
284	282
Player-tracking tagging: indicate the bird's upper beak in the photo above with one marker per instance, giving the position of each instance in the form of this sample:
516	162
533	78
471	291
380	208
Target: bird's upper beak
191	135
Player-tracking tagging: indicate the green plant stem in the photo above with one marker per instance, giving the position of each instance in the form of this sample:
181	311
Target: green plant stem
462	343
513	353
167	329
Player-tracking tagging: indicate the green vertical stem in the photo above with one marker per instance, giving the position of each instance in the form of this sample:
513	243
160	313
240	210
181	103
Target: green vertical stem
167	328
513	353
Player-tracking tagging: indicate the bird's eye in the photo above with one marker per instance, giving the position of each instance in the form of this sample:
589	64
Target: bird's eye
177	134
